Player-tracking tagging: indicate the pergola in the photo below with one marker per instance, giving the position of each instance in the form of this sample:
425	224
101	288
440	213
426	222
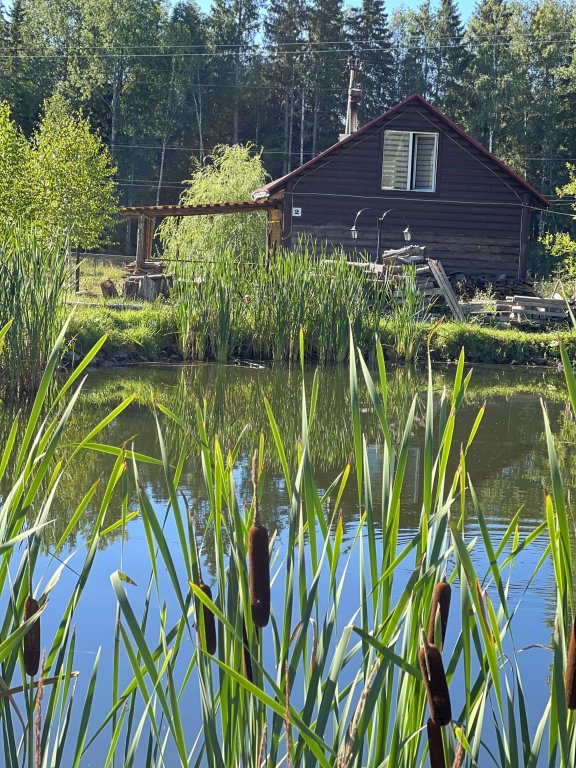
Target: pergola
147	214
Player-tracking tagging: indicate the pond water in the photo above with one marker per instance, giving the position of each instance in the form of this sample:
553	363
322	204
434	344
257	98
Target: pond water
507	465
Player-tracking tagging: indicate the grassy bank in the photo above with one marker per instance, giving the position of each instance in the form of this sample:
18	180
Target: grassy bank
152	334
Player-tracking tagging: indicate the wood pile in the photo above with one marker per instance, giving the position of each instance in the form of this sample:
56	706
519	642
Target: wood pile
467	287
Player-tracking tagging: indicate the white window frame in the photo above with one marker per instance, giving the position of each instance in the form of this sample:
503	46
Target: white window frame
411	158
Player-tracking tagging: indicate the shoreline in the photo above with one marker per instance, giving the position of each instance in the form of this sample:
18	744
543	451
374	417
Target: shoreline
150	335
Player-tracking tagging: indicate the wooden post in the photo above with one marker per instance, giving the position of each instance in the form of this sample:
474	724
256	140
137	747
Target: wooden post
524	236
141	242
149	239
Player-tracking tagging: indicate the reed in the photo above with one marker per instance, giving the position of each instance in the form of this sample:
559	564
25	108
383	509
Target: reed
339	678
33	277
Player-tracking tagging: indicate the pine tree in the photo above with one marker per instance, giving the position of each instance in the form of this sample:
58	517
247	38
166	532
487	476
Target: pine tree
372	44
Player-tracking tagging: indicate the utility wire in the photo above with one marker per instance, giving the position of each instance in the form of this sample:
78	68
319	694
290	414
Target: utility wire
120	52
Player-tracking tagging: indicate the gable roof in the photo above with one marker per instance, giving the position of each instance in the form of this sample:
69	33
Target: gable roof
278	184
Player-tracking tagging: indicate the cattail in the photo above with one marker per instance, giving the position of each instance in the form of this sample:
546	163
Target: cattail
259	565
440	601
570	677
435	746
247	659
258	562
209	623
31	638
459	756
434	677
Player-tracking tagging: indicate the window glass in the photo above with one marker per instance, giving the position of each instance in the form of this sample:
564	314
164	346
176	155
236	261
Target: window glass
424	161
396	160
409	161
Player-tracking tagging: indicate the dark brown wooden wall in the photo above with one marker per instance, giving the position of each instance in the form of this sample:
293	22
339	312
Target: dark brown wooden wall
472	222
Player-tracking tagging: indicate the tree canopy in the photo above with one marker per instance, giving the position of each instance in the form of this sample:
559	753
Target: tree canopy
61	179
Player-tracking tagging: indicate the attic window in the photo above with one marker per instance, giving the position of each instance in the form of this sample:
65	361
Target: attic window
409	161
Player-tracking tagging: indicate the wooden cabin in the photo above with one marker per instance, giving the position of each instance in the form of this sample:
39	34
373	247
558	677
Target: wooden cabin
411	167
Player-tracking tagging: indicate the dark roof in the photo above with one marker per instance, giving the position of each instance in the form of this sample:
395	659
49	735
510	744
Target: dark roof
203	209
277	184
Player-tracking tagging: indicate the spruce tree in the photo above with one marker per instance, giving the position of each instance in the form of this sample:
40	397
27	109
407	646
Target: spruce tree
233	27
372	43
328	72
450	60
415	37
285	76
489	77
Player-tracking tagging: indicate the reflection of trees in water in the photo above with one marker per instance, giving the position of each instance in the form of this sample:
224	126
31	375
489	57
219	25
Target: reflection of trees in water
507	463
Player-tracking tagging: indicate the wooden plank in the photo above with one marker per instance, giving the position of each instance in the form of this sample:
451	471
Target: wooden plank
442	280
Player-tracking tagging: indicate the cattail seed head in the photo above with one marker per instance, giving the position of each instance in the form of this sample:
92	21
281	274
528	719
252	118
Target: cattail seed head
440	602
247	660
259	574
31	638
209	622
435	746
434	677
570	675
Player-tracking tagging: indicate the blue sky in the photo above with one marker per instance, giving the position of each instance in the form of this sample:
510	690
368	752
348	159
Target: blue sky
466	6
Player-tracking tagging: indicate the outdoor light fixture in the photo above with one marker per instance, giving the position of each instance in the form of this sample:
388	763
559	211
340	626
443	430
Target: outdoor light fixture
379	221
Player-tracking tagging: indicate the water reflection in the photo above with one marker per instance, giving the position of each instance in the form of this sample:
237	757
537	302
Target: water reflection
507	463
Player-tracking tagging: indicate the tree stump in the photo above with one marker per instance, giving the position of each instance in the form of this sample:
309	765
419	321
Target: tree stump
108	289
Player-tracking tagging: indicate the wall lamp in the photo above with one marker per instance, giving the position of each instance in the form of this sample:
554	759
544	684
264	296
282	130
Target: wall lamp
379	221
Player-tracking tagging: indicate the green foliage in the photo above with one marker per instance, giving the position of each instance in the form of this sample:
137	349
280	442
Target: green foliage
231	174
562	245
14	167
72	177
60	181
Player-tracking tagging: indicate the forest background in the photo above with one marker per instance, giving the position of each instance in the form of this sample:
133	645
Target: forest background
163	83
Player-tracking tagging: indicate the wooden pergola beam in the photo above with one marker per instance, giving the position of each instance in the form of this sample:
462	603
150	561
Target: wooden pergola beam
207	209
147	214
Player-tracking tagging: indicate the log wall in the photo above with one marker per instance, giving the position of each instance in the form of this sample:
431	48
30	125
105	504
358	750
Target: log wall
472	223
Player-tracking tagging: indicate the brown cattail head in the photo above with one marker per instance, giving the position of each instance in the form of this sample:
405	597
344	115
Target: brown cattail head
209	622
435	746
434	677
570	676
247	659
31	638
259	574
440	602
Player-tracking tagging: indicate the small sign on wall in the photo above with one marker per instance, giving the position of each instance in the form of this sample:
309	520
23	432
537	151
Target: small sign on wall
296	211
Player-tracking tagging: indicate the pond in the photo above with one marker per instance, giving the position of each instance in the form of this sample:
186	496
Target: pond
507	465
